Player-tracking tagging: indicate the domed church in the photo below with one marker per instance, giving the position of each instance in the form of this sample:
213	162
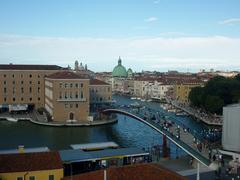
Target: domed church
119	70
120	77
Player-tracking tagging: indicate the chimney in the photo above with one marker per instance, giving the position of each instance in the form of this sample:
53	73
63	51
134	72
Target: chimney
21	149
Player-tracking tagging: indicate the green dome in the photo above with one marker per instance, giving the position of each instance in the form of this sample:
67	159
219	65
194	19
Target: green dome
119	70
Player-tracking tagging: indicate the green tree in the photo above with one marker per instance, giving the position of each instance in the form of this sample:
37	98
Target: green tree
214	104
196	96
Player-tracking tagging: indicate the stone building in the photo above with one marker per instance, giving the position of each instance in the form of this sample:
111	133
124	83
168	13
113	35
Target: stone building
24	84
67	96
64	93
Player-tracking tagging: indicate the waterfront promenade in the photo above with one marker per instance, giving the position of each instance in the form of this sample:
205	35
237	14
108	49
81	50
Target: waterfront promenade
206	118
36	118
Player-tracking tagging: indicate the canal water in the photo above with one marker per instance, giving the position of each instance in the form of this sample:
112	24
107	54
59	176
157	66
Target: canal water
127	133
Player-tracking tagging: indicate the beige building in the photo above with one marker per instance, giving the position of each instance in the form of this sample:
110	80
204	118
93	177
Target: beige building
67	96
100	92
24	84
181	91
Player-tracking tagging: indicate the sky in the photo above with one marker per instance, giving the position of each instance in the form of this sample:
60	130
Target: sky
161	35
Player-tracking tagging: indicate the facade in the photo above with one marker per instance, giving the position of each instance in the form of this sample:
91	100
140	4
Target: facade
181	91
24	84
64	93
100	94
231	128
32	166
67	96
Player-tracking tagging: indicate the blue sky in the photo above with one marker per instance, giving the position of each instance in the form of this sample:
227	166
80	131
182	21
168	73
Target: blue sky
150	32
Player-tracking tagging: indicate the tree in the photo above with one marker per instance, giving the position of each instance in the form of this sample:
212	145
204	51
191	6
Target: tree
214	104
196	96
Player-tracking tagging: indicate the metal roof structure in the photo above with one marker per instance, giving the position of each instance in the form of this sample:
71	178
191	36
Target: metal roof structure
100	145
77	155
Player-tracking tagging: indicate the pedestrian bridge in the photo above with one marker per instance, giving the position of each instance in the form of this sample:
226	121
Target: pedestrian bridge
203	158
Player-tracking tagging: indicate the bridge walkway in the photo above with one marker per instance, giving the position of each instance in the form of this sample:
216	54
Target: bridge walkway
184	141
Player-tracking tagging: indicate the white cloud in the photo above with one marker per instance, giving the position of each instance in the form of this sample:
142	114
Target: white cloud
231	21
159	53
156	1
151	19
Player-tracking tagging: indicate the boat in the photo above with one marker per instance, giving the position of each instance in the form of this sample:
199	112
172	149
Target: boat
181	114
136	105
133	98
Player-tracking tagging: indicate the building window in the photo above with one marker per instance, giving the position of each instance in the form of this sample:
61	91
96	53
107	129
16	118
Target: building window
30	99
71	105
5	90
60	85
76	95
38	76
13	76
13	99
22	99
4	75
51	177
70	95
38	82
31	177
71	85
66	106
30	76
66	85
30	90
81	85
38	89
21	76
22	90
60	95
5	82
19	178
21	82
13	82
81	95
65	95
76	105
38	98
76	85
5	99
30	82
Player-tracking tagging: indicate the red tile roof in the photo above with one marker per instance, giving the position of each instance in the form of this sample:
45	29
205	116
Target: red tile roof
132	172
29	67
23	162
67	75
97	82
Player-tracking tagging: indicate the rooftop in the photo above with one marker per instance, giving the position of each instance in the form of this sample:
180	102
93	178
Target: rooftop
100	145
26	150
131	172
97	82
29	67
67	75
23	162
78	155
